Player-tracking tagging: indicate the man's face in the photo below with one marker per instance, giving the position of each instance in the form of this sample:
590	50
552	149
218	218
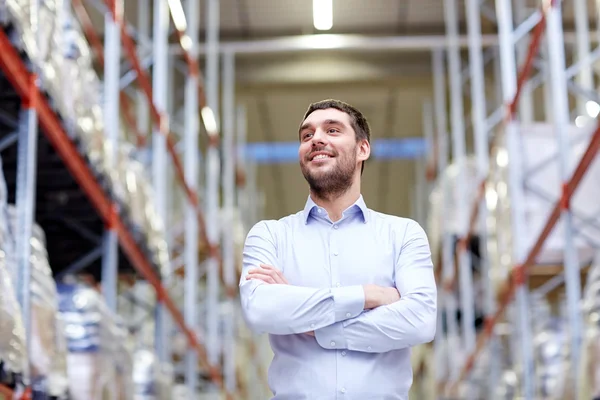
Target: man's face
329	153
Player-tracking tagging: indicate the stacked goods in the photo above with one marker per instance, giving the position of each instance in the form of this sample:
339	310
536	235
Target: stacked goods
65	63
13	350
99	353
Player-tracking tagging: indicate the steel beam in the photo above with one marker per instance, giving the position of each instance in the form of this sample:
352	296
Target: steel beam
112	72
508	74
212	185
560	105
192	130
467	303
582	32
480	133
159	151
25	211
349	42
229	272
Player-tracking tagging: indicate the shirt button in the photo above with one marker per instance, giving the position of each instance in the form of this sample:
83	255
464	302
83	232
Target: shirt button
348	315
335	253
335	227
312	326
369	348
344	353
332	344
343	390
319	210
337	284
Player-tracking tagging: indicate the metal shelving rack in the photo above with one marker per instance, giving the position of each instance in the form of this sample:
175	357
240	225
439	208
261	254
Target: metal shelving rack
521	40
221	265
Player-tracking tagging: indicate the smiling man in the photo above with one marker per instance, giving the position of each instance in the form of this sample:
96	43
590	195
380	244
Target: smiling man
343	291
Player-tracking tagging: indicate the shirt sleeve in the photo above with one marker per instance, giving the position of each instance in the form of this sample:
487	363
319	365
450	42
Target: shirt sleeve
405	323
287	309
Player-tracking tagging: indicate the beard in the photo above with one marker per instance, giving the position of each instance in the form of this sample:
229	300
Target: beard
335	180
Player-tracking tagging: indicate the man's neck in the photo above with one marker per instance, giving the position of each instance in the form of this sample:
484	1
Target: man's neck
336	205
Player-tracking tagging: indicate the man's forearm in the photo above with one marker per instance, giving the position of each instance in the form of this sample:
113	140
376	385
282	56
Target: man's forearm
408	322
284	309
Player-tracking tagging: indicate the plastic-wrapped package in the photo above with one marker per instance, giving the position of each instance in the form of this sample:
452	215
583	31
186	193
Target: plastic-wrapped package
550	350
98	350
48	364
145	375
65	60
589	385
13	349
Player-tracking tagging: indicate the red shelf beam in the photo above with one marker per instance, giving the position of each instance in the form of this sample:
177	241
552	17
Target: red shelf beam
523	76
519	272
157	118
96	44
23	82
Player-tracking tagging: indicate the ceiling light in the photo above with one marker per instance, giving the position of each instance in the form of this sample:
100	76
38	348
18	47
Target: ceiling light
592	108
210	123
323	14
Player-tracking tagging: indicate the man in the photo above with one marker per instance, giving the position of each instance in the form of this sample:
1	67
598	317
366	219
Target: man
343	291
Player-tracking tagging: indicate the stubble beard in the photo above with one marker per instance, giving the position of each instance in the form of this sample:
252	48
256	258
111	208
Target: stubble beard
333	183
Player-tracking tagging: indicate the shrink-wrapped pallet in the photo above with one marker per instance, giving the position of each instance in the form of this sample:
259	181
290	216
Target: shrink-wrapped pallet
99	353
48	366
536	157
13	350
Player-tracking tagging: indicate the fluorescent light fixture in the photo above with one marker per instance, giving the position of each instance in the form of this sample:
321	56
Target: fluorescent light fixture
178	15
323	14
580	121
502	158
210	123
592	108
186	42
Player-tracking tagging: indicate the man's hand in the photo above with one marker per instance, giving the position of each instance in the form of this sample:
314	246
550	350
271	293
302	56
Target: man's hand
267	274
376	296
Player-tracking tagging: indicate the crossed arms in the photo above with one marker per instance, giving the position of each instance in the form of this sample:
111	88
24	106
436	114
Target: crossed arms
364	318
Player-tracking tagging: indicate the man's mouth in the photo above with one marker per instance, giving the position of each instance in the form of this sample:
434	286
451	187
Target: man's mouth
320	156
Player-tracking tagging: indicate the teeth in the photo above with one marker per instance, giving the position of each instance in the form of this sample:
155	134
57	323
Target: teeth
320	156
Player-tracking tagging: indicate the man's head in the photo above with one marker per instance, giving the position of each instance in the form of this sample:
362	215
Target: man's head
334	144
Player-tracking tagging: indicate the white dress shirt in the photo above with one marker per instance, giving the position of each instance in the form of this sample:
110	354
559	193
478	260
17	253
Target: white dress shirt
355	354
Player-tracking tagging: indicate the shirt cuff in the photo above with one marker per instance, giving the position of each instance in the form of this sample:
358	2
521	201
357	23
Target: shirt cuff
349	302
331	337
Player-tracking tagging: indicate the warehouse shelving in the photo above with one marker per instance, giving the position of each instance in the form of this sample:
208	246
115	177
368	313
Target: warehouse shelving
15	69
516	85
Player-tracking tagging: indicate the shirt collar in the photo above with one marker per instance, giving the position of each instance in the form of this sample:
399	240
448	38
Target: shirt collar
358	207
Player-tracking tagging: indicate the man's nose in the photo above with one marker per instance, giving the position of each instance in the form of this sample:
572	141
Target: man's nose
319	137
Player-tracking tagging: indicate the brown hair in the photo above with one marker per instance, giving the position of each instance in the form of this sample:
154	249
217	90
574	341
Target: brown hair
357	120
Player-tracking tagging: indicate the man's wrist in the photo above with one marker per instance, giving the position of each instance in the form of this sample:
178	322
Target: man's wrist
372	296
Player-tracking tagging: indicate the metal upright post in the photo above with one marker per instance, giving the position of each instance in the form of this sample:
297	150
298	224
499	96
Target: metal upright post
26	193
192	129
480	133
212	182
560	102
228	226
459	159
582	31
112	74
509	85
449	303
526	111
159	149
25	208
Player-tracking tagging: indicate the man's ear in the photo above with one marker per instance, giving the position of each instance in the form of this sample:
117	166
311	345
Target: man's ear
364	150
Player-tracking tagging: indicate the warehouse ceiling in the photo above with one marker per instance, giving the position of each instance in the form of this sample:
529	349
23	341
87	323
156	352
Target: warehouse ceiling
388	86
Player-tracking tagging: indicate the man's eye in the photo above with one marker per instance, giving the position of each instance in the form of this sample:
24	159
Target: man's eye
332	130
